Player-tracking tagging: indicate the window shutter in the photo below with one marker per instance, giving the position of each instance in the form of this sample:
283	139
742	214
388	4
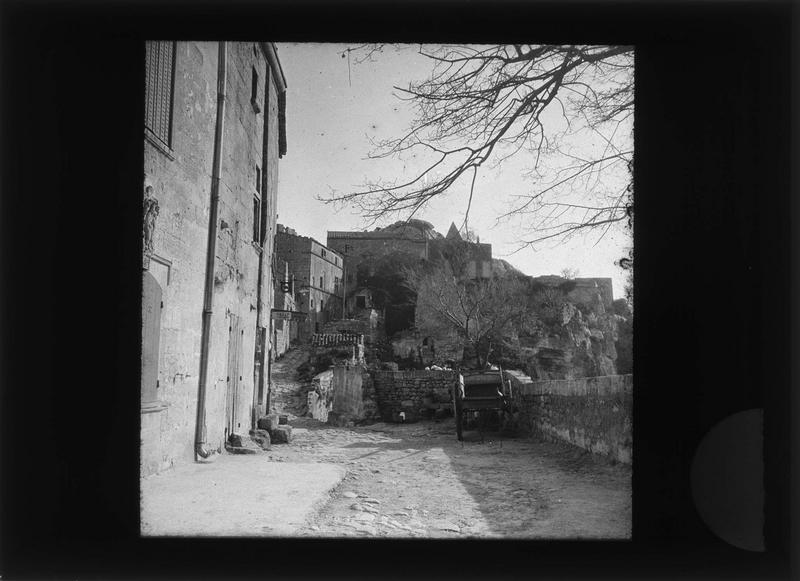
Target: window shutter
159	83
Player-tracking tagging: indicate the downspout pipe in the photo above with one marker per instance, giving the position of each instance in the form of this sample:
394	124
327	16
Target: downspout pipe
201	449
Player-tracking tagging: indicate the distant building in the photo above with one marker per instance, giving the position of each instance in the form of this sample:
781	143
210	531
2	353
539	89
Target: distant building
214	130
366	247
317	272
477	257
286	318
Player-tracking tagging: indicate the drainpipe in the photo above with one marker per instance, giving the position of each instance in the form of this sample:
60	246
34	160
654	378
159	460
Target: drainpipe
200	446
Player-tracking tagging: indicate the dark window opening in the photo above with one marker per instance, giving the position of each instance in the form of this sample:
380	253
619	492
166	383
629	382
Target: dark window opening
159	84
321	282
256	219
263	223
258	179
323	253
254	92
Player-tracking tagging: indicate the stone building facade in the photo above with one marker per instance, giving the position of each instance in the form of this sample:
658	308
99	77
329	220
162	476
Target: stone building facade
476	256
285	316
214	131
365	247
317	272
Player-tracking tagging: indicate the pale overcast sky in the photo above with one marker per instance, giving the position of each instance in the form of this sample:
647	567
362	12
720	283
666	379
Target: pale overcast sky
332	115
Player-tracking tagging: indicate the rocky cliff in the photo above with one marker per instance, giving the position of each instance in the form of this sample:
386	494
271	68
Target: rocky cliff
577	340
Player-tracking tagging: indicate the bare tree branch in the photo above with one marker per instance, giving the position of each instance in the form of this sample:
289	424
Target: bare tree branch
486	104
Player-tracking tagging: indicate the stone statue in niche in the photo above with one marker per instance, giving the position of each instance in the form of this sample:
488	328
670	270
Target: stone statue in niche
150	214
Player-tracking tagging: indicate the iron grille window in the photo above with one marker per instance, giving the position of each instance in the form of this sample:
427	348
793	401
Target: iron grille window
159	85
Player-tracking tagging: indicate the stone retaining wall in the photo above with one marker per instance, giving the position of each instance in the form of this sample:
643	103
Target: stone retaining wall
594	413
405	391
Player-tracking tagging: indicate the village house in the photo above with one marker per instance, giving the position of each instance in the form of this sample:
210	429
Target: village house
285	316
317	272
477	256
359	248
214	131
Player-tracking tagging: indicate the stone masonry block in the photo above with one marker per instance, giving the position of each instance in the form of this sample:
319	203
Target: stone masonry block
281	434
261	437
268	422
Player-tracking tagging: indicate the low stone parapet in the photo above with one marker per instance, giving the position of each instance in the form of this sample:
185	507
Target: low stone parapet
594	413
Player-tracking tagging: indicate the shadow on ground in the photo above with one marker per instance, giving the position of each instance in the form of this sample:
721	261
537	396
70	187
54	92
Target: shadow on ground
521	487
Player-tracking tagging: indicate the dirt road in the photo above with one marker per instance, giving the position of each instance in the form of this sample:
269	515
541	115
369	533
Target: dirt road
418	480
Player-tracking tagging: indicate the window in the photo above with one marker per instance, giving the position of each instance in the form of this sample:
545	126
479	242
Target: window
322	282
323	253
159	84
259	215
256	219
312	303
254	91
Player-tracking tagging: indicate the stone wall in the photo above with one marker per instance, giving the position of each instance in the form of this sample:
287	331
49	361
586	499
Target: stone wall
406	391
593	413
347	390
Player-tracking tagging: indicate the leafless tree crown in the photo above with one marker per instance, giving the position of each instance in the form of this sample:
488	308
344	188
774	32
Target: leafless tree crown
569	108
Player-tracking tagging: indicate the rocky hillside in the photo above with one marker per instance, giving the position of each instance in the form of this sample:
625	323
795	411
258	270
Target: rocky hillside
568	340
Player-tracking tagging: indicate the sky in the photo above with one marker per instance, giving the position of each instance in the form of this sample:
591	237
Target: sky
334	115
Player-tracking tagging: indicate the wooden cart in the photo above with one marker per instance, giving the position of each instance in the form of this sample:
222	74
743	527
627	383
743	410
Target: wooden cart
478	391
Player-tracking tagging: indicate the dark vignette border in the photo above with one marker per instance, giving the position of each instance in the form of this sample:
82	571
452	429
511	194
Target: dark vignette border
712	250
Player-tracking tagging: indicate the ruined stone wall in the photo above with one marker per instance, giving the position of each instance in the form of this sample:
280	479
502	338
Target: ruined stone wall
593	413
360	248
397	391
181	180
347	395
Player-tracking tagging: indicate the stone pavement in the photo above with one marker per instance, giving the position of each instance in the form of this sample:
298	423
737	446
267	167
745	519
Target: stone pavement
235	495
418	481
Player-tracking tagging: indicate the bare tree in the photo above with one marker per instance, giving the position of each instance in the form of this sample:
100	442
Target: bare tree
568	108
480	311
